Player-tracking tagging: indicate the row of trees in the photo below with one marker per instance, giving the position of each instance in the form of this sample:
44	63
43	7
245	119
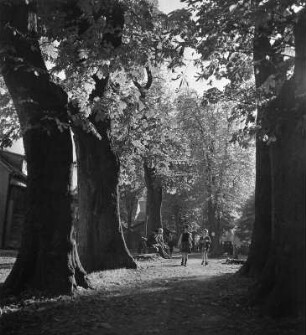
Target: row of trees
98	53
225	170
275	45
66	72
48	258
193	173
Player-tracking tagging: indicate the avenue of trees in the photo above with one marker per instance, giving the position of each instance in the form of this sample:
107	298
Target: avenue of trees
99	73
276	44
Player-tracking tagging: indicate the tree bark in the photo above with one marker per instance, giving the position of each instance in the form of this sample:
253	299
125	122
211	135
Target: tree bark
217	248
154	199
281	287
213	223
101	242
48	258
261	235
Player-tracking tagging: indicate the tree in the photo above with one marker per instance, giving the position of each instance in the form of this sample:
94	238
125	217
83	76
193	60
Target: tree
224	175
281	285
264	68
99	229
153	181
95	151
101	238
48	258
73	41
131	188
151	138
275	261
154	197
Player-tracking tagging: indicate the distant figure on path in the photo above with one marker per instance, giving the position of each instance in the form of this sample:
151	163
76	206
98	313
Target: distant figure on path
170	242
156	241
160	237
205	243
162	246
185	243
151	241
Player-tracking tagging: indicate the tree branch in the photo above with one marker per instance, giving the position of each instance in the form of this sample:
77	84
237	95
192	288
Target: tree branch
143	89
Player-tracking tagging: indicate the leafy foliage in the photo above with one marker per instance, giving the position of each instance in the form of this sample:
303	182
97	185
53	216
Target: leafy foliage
244	224
224	33
187	142
9	125
224	176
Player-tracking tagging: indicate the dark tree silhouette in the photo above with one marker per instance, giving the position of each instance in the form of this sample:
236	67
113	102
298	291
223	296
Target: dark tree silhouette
48	258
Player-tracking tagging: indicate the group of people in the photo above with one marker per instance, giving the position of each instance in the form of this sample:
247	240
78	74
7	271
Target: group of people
165	248
185	244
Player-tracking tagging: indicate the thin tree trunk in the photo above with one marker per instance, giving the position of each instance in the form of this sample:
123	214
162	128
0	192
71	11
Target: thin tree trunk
177	220
216	245
212	203
130	205
48	258
129	226
154	199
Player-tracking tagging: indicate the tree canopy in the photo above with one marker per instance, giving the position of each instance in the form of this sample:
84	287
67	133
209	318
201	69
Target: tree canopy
107	67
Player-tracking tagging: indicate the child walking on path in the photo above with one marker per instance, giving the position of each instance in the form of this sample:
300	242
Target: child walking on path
205	243
185	243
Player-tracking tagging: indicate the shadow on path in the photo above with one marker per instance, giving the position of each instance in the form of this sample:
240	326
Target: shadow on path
160	298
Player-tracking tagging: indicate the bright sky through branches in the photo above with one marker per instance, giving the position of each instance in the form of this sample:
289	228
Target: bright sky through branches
190	71
168	6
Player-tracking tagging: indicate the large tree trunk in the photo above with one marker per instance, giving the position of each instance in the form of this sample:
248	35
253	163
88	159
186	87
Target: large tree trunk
261	235
282	285
101	242
48	258
102	245
154	199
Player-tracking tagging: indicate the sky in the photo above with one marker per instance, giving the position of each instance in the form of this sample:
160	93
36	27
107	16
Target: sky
189	72
17	147
168	6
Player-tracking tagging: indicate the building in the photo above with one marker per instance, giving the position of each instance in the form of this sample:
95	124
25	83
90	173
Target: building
12	198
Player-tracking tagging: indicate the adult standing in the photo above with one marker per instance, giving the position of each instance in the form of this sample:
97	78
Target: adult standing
185	243
205	243
171	243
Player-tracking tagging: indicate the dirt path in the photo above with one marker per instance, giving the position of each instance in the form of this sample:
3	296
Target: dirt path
161	297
